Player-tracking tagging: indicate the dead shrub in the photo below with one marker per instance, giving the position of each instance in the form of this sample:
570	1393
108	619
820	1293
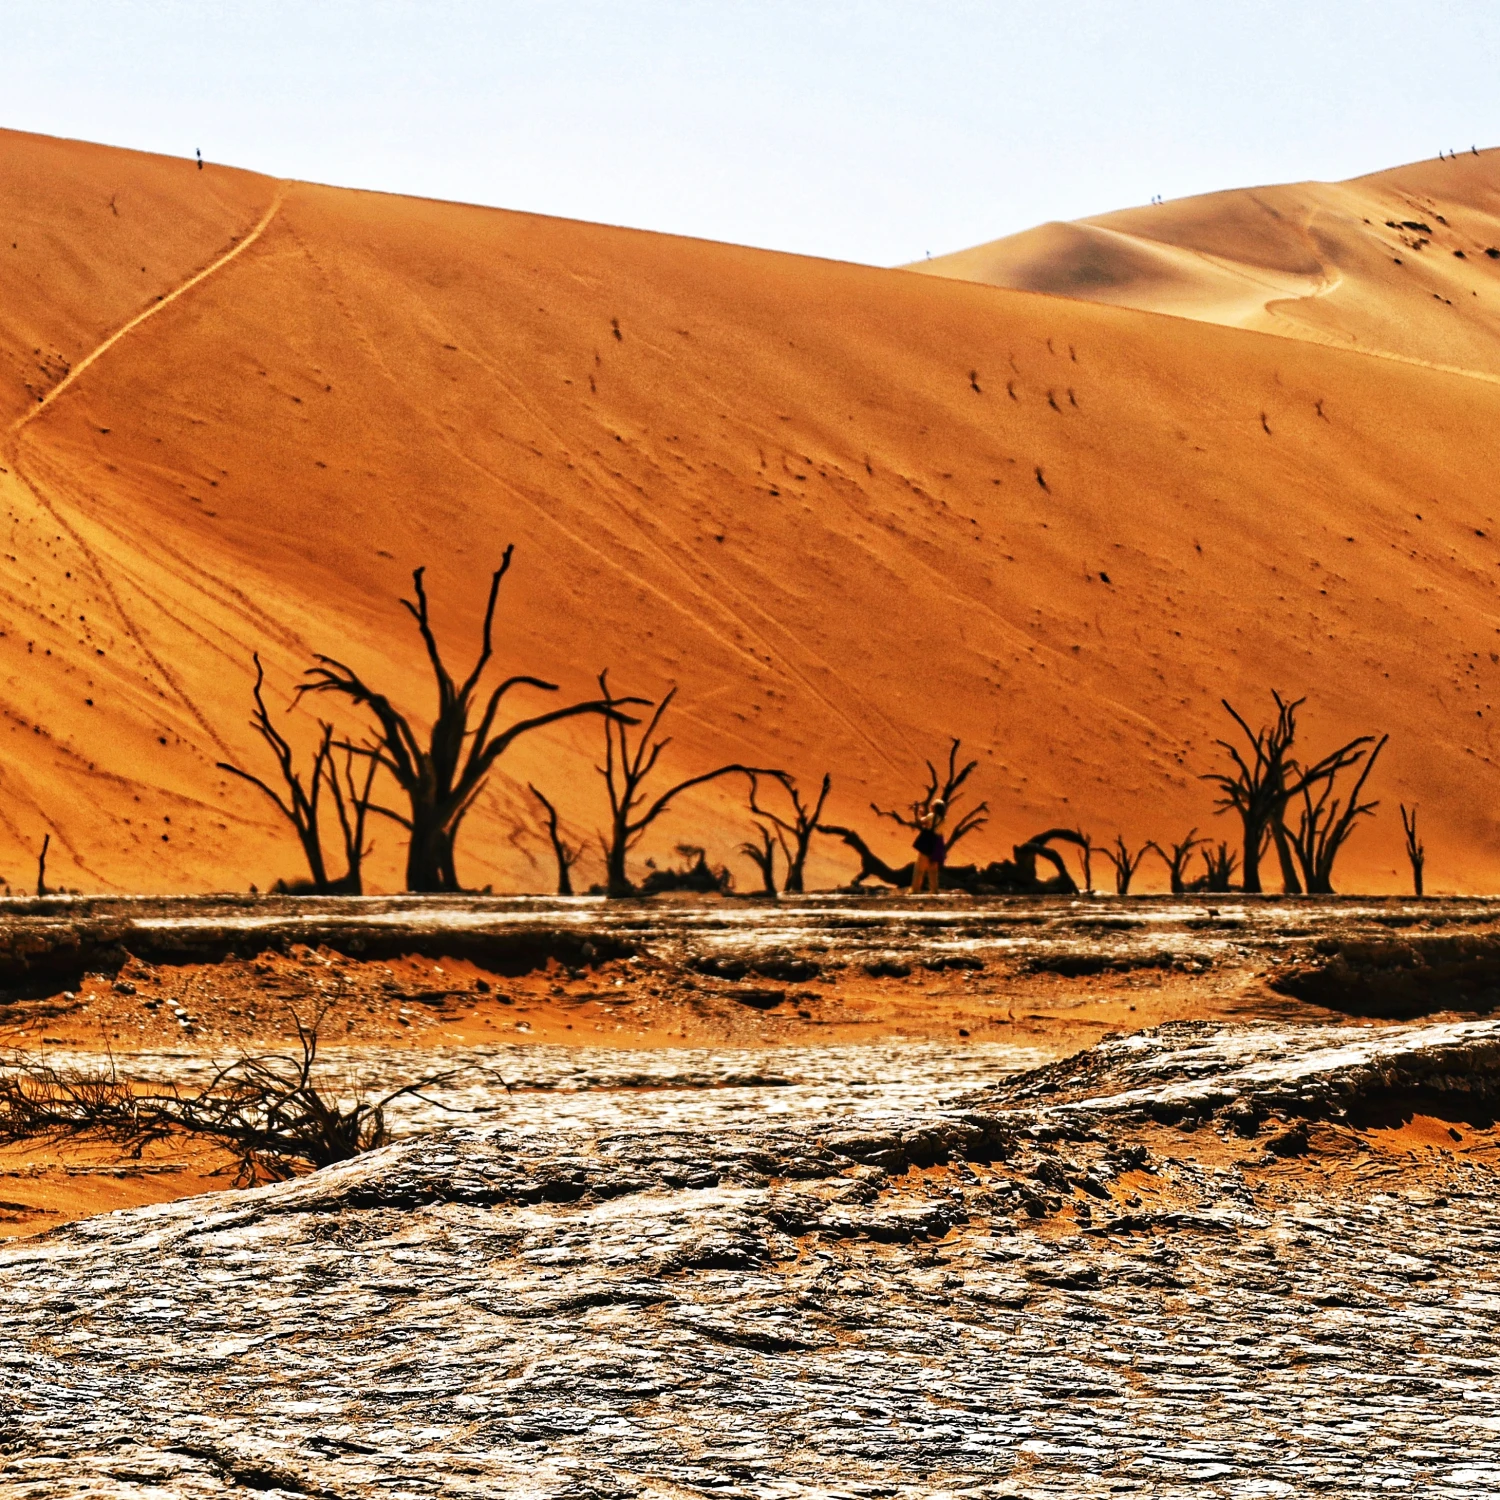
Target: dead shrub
276	1113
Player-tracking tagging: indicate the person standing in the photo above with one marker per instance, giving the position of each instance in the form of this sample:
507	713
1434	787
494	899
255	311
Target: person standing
930	847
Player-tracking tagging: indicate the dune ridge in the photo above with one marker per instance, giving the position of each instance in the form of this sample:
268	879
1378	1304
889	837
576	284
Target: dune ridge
848	511
1395	263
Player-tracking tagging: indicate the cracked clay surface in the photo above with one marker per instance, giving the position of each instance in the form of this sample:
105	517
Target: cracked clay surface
1208	1260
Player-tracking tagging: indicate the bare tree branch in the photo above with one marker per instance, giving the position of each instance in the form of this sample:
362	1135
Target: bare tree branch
270	1111
299	805
565	854
763	855
1322	829
1176	859
1262	784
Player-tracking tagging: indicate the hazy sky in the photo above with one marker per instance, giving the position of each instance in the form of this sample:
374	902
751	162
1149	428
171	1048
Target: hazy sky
853	128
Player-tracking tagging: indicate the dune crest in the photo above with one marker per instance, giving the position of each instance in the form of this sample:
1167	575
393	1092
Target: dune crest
1395	263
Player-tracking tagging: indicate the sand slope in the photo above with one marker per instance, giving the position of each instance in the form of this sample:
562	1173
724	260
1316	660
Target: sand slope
847	510
1393	263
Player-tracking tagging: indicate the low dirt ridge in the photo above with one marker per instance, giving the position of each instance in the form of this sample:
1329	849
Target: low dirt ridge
1051	1291
1376	956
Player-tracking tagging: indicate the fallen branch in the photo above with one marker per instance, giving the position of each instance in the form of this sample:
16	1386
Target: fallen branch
270	1111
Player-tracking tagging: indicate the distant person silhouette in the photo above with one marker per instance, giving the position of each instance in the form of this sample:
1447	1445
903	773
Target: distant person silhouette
199	150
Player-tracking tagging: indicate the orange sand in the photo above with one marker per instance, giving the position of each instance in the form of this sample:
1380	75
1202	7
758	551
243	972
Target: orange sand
768	479
47	1183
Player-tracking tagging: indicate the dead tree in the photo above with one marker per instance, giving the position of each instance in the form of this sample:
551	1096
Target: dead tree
566	854
944	789
351	804
1124	862
625	769
41	866
1266	779
443	768
1323	829
694	875
1019	872
947	794
1015	876
299	803
1414	849
1218	868
1086	853
763	856
870	863
1176	859
799	828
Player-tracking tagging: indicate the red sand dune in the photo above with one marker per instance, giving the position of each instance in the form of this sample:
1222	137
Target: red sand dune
770	480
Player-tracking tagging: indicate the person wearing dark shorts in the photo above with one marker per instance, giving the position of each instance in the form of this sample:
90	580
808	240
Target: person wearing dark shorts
931	849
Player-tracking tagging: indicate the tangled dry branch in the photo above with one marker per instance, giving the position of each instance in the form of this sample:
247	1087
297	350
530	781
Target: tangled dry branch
272	1112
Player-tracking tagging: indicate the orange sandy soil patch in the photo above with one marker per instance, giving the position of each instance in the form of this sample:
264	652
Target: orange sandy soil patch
47	1183
418	1002
847	511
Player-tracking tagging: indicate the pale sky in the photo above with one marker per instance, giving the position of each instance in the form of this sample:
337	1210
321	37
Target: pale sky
859	129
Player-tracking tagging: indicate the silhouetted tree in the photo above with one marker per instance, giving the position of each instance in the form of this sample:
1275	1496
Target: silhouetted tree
351	805
1322	829
1086	853
624	770
443	769
299	803
1218	868
1415	852
1017	875
566	854
763	856
1266	779
944	789
1019	872
1176	859
41	866
695	875
799	828
1124	862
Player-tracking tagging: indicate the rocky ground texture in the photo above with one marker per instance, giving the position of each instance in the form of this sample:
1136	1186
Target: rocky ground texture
1206	1259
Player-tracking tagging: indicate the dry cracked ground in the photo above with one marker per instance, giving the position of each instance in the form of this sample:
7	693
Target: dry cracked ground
1214	1257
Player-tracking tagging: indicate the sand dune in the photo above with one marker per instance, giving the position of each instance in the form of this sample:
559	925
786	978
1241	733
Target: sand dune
1396	263
849	511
